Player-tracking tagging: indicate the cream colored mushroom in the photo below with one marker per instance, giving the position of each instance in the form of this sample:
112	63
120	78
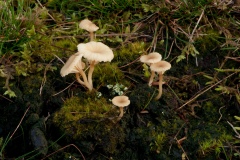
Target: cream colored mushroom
95	52
89	26
149	59
75	65
121	101
160	68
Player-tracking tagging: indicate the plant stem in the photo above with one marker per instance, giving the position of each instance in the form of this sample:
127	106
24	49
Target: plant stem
90	72
91	36
151	78
85	81
121	113
160	86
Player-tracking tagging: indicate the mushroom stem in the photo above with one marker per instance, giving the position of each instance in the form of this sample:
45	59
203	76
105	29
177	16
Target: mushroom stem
160	86
91	36
151	78
90	72
121	113
78	79
85	81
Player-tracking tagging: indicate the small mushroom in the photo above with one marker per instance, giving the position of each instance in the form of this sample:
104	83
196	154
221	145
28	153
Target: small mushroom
121	101
149	59
160	68
95	52
89	26
75	65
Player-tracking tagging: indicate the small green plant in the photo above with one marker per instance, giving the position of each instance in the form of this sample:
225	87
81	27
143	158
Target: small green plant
189	49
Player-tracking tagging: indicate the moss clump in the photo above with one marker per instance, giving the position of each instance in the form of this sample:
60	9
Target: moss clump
130	52
108	73
65	47
89	119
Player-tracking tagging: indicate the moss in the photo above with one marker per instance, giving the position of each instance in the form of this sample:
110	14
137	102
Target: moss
65	47
108	73
209	41
82	118
130	52
142	97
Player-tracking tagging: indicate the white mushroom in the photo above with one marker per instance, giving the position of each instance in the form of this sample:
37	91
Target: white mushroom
149	59
121	101
89	26
75	65
160	68
95	52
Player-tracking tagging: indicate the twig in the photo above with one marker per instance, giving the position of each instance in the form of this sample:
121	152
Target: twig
192	99
238	135
64	148
130	63
45	77
220	114
47	11
105	35
59	58
19	122
191	36
6	98
64	89
181	148
175	137
170	50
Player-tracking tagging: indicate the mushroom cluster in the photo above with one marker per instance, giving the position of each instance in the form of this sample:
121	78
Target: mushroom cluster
154	60
93	52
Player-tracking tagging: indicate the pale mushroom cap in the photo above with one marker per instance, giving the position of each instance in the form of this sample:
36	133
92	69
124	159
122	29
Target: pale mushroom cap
71	65
153	57
88	25
161	66
96	51
121	101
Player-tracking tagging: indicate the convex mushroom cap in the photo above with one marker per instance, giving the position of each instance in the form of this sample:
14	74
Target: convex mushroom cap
153	57
88	25
160	66
96	51
121	101
72	64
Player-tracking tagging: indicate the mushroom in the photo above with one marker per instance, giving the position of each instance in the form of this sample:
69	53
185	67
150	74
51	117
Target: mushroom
149	59
121	101
75	65
89	26
95	52
160	68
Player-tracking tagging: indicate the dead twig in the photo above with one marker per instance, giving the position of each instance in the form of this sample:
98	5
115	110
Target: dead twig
64	89
19	123
193	98
220	114
47	11
64	148
238	135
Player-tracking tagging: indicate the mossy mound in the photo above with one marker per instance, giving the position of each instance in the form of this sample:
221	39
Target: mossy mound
90	120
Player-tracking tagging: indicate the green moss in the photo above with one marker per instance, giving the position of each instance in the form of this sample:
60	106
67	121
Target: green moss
130	52
82	118
158	142
65	47
108	73
209	41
